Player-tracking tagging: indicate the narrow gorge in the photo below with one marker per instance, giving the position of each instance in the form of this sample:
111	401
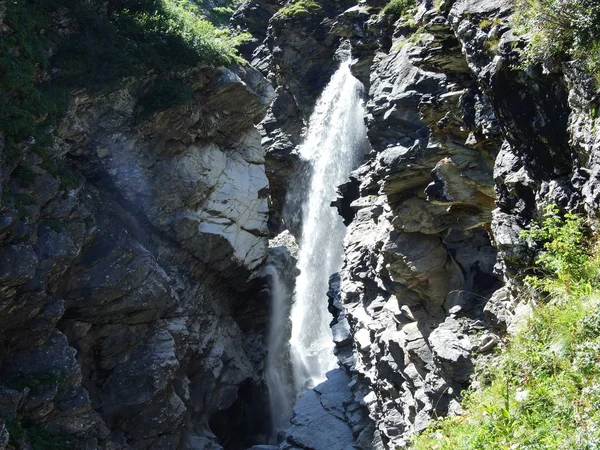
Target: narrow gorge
286	225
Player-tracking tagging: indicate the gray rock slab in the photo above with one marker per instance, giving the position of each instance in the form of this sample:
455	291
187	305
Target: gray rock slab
319	420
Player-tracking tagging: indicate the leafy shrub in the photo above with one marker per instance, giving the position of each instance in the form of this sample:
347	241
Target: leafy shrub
565	263
560	27
397	8
220	15
300	8
178	22
26	107
217	15
141	35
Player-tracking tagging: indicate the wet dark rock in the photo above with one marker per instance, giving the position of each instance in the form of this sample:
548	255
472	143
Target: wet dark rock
330	417
4	435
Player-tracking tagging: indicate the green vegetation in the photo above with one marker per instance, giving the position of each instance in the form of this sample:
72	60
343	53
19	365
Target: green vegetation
560	27
491	46
105	43
54	224
141	35
486	24
417	37
38	437
397	8
26	106
566	265
68	179
543	392
26	176
20	200
300	8
220	15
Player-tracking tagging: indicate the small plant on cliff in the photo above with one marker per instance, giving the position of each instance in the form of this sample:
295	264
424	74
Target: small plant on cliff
560	27
397	8
565	264
300	8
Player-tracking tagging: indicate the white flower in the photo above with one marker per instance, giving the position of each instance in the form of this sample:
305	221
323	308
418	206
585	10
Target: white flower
521	395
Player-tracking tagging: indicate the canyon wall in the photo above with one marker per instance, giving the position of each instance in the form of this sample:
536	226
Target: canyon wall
134	305
132	254
467	149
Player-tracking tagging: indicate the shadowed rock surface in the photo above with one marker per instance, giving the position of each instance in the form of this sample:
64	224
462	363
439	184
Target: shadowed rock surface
121	289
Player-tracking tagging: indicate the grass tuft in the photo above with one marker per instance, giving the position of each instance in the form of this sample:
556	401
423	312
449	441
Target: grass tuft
300	8
397	8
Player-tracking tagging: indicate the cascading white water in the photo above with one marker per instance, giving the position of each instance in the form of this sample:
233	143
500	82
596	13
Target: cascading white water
334	145
280	391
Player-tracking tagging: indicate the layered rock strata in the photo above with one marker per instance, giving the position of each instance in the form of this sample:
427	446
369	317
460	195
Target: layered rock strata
127	268
466	151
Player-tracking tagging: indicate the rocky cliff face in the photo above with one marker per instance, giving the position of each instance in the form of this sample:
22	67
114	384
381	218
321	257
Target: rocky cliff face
466	151
419	258
128	263
133	304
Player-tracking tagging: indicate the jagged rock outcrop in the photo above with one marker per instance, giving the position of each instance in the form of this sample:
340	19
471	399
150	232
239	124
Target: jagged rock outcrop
467	150
419	260
298	56
125	252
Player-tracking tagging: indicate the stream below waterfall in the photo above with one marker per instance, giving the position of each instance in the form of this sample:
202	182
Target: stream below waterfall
334	145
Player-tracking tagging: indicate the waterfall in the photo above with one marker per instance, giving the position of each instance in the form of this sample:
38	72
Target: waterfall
280	392
335	142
